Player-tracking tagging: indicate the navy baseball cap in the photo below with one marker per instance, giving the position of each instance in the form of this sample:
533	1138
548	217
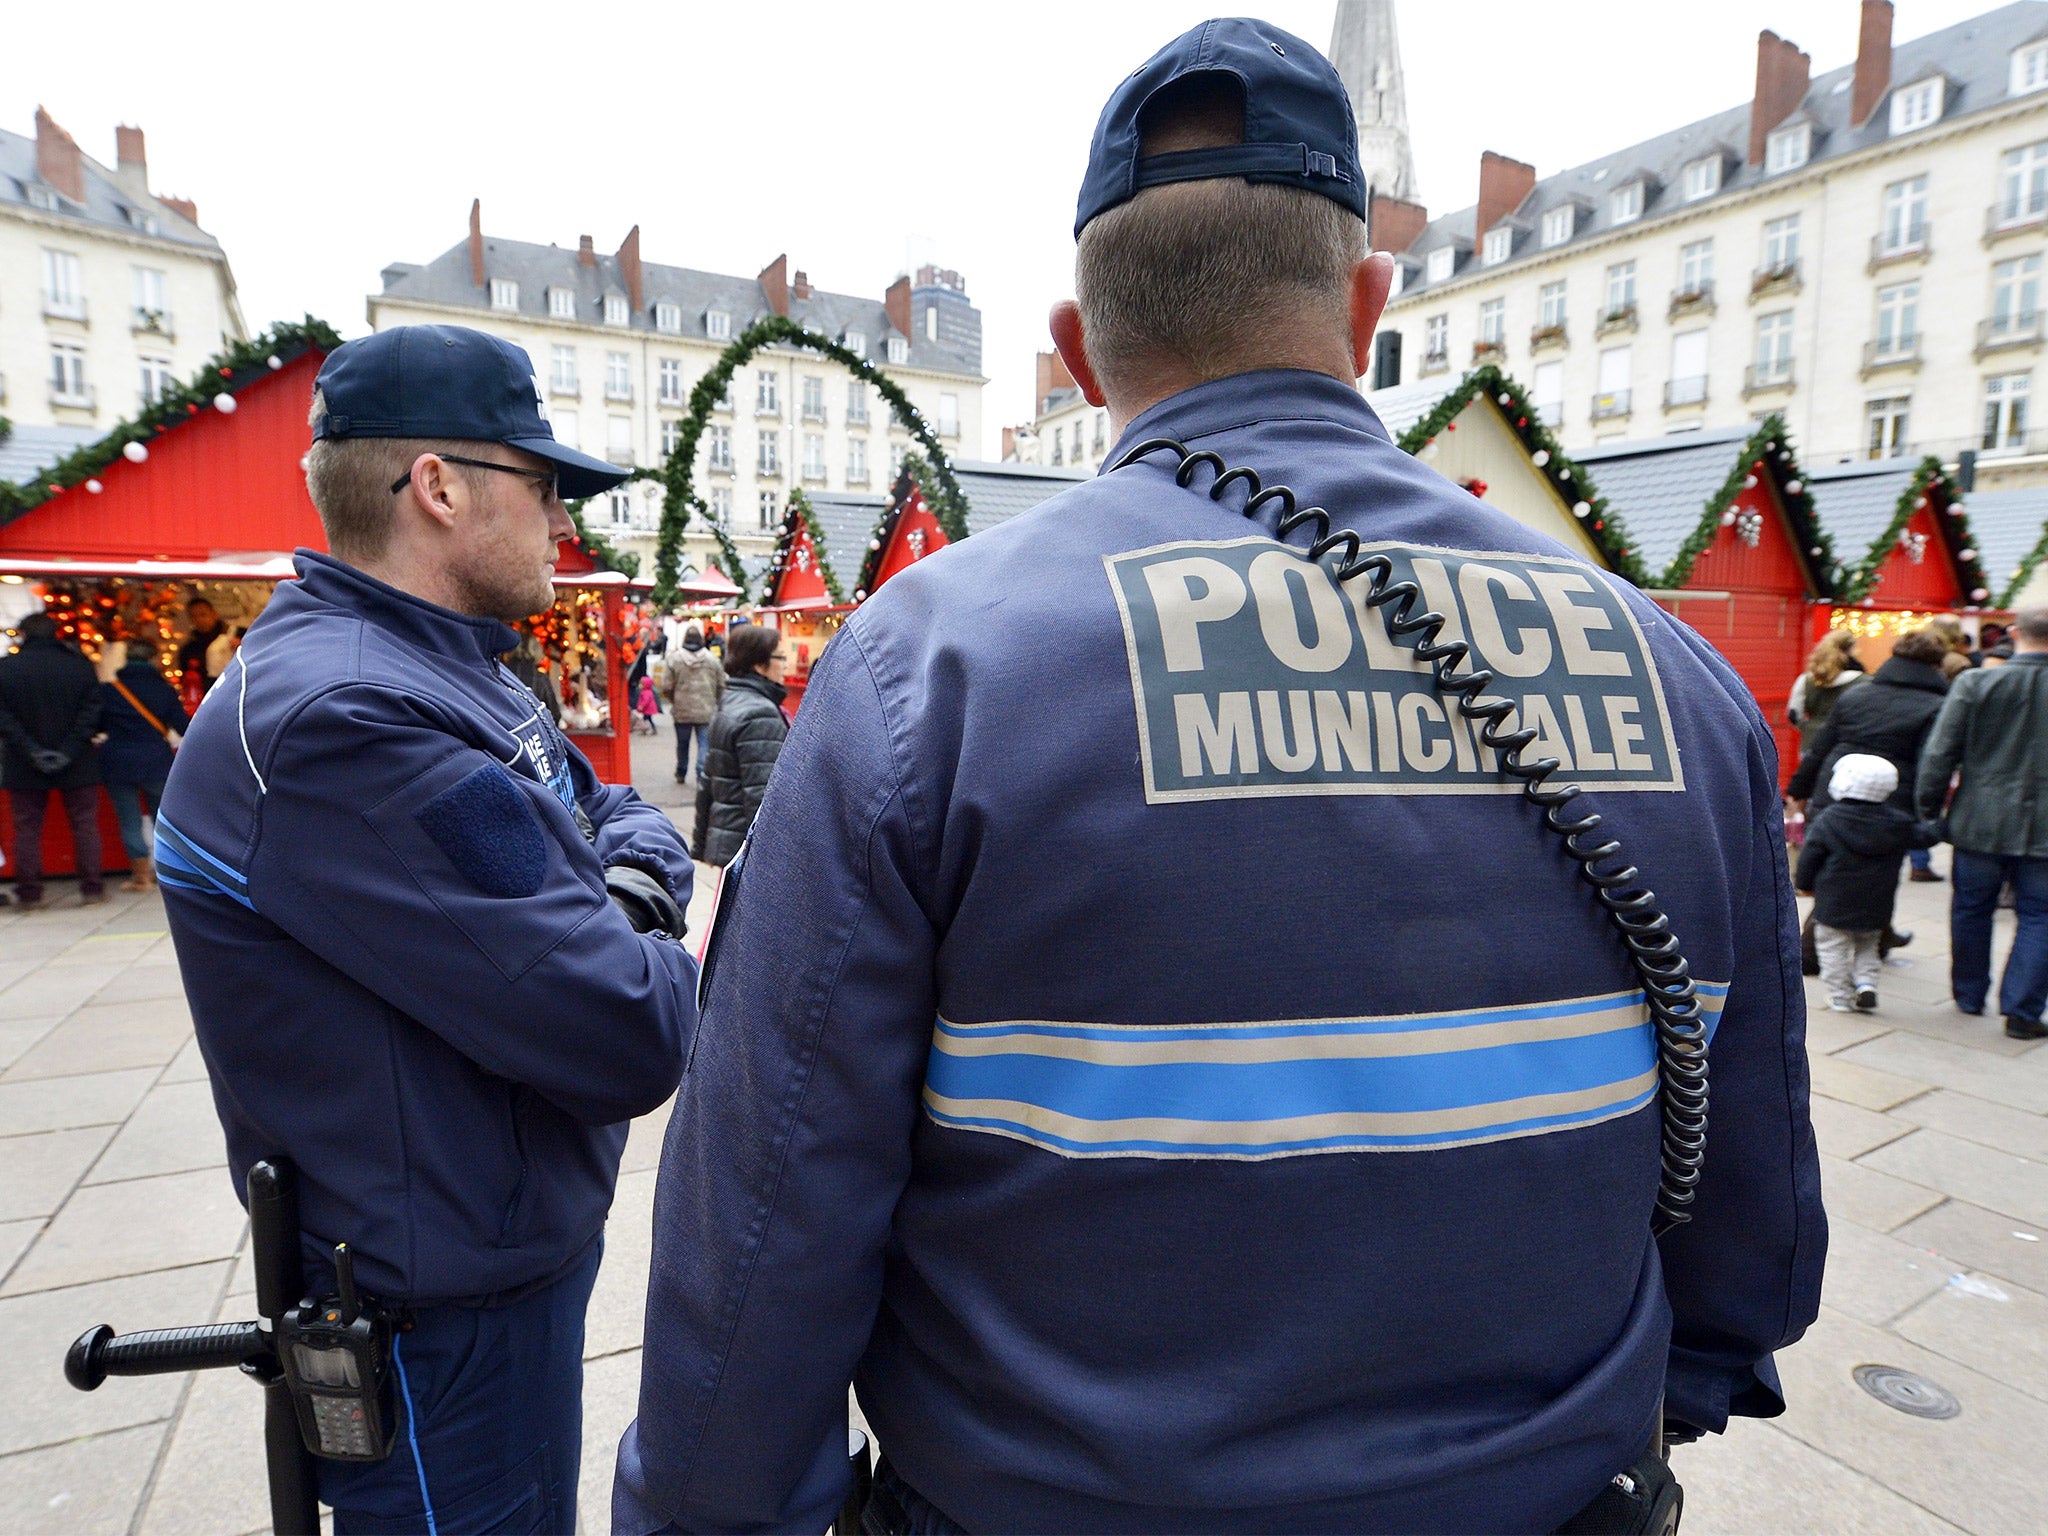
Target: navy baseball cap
449	381
1298	126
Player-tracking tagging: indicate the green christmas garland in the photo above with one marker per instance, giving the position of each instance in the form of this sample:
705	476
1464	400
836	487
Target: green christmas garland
1928	479
678	470
227	374
1767	450
1600	522
2025	573
802	514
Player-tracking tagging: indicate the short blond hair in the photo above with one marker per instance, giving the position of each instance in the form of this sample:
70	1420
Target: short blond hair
349	479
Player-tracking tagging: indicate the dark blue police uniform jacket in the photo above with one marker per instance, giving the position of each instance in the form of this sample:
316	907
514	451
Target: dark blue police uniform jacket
1204	1096
403	968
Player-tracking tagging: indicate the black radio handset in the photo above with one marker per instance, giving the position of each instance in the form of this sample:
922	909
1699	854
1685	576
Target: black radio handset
1652	947
336	1354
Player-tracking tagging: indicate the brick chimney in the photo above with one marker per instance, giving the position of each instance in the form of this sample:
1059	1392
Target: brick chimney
897	302
1052	375
586	251
183	207
800	285
774	282
58	160
629	268
1873	61
476	241
1503	184
1396	225
131	165
1009	444
1782	75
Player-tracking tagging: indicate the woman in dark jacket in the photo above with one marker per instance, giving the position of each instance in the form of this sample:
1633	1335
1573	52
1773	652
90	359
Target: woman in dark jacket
746	737
136	752
1888	716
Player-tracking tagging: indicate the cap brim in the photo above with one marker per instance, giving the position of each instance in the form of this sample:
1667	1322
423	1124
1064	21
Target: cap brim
578	474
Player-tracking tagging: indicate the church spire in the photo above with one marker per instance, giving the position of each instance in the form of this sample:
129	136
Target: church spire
1367	54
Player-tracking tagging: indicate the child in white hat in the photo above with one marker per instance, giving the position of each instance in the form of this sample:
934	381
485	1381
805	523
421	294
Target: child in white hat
1850	866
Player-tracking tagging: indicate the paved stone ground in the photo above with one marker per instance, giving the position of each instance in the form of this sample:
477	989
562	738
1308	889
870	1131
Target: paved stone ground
115	1207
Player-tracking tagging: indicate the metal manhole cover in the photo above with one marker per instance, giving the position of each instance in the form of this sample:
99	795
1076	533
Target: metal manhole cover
1908	1393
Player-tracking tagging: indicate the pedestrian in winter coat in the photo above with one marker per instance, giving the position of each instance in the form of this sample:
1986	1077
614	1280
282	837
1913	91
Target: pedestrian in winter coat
695	684
1994	728
1830	672
1850	866
1888	717
142	722
746	738
49	709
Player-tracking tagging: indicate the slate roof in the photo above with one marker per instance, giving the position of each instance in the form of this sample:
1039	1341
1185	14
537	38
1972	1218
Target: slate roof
1973	55
536	268
1660	486
107	204
1857	502
998	492
1400	407
847	520
2006	525
27	451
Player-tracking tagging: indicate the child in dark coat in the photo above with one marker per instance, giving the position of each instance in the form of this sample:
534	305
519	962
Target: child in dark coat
1850	866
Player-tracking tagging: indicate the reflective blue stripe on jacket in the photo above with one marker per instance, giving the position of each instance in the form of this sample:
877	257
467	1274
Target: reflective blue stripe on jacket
1216	1103
403	968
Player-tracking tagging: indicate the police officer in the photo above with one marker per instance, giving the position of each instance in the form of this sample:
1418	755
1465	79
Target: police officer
1224	1106
429	955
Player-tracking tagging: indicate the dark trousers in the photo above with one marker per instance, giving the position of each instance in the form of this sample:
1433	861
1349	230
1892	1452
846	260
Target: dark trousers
82	810
490	1422
685	732
2023	991
132	802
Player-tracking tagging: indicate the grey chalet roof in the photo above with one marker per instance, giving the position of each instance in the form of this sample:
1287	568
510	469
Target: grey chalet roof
2006	526
108	203
848	521
1400	407
27	451
536	268
1856	502
998	492
1973	56
1660	486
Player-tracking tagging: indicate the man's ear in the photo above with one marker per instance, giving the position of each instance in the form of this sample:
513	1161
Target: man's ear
434	489
1372	280
1067	338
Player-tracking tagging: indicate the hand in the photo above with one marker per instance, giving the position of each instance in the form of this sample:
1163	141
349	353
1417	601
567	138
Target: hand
48	760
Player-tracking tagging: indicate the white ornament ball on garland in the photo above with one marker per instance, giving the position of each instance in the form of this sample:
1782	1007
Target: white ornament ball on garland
1540	457
94	487
1582	509
1794	487
224	403
274	361
135	453
1506	398
1728	518
1815	551
1979	594
1564	475
1749	482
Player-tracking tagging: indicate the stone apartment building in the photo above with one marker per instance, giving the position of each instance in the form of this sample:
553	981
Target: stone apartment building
108	291
1860	252
618	343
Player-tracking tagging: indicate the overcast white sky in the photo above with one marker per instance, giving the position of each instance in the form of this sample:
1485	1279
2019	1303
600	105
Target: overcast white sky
323	142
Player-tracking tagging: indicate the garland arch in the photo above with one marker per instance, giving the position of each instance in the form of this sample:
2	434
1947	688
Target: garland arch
678	470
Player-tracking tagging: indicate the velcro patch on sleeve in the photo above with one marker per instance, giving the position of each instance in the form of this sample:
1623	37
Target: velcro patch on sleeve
488	831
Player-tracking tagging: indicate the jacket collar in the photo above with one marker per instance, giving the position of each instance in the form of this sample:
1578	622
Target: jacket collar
2029	659
1912	674
413	619
754	682
1251	399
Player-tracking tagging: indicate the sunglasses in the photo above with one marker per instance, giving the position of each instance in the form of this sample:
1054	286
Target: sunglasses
545	480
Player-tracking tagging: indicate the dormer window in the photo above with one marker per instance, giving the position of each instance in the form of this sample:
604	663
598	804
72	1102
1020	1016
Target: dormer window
1625	204
504	293
1557	225
2029	69
40	196
615	311
1442	262
1701	178
1788	149
668	318
1915	106
562	303
899	349
717	324
1500	244
855	343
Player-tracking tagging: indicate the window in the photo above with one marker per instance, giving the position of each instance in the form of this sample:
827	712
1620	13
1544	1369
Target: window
898	452
669	318
2029	69
2023	184
814	455
949	418
1625	204
1557	225
1546	393
768	458
1898	319
1917	105
1903	226
1774	347
67	374
1617	367
721	505
899	349
856	402
1499	246
566	427
856	461
40	196
504	293
1688	369
1059	446
1886	423
669	380
672	435
1788	149
1550	306
150	306
562	303
717	324
1399	280
855	343
156	379
1696	267
1781	244
1621	289
615	311
1077	442
1436	337
562	370
618	376
1493	327
63	288
2005	410
814	398
1441	263
1701	178
767	392
931	323
770	512
621	504
720	453
2016	294
1101	430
